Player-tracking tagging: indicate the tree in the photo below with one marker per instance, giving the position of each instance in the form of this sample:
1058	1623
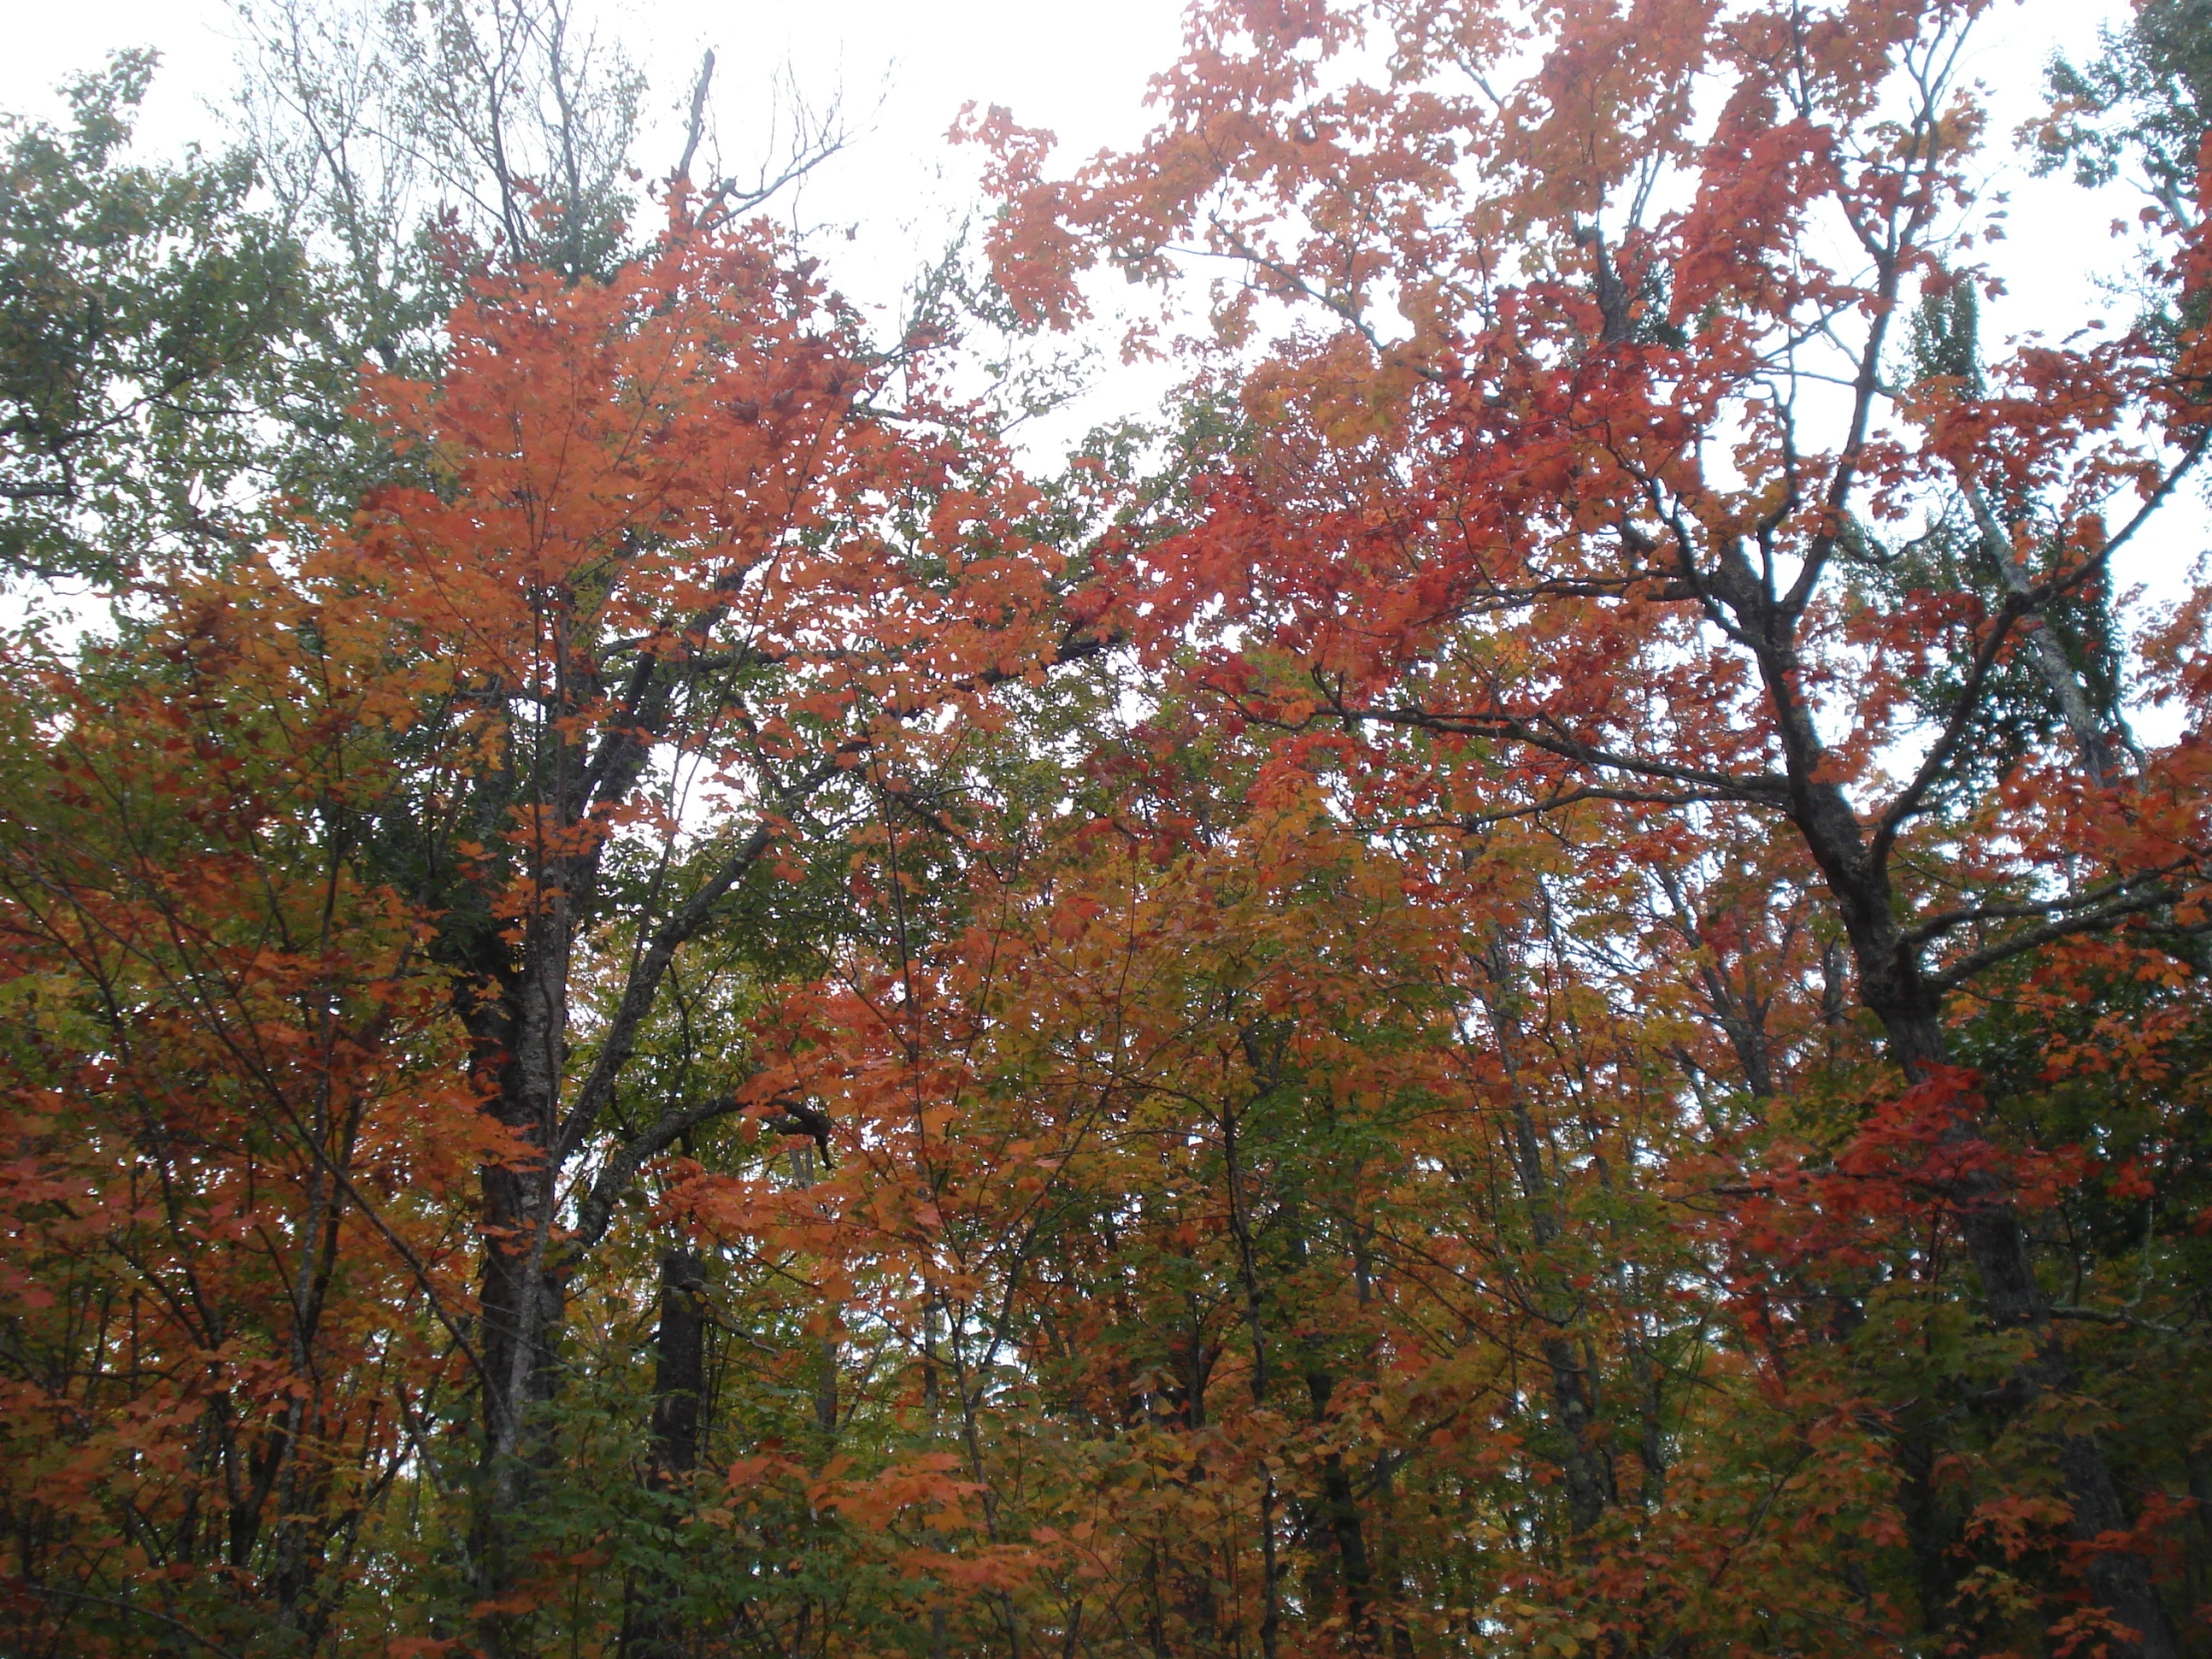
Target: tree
413	144
150	320
2146	102
236	1126
1567	466
694	551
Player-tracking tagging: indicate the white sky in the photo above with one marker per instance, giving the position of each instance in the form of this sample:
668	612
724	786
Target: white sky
904	71
1079	69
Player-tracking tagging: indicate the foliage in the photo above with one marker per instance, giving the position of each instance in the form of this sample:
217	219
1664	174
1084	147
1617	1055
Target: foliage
1529	983
146	325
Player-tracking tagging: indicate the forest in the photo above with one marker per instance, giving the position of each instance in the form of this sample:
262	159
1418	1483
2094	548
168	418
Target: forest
1533	976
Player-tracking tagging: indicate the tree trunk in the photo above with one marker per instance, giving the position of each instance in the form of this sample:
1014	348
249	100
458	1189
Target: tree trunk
1340	1507
1584	1466
680	1370
517	1025
656	1628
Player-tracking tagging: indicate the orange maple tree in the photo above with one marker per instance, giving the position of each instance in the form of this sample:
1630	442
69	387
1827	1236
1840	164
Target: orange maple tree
240	1138
1575	468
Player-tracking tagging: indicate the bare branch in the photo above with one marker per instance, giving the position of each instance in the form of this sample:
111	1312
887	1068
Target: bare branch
697	125
644	984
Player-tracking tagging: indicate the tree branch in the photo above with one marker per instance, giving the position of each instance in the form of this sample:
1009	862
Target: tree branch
597	1211
644	984
2084	922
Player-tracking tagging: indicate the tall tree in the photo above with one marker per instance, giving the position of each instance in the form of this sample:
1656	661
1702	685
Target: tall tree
237	1122
695	551
1574	454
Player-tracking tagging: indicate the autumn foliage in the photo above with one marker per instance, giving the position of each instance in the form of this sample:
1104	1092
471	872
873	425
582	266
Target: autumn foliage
1532	983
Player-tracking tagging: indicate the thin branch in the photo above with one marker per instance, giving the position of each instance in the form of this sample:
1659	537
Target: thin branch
2086	921
697	125
132	1608
644	984
1945	921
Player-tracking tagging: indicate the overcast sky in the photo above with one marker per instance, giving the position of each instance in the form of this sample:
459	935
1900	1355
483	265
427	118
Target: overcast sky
1079	70
1085	66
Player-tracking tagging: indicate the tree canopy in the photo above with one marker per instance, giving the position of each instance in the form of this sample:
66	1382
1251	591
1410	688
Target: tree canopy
1530	980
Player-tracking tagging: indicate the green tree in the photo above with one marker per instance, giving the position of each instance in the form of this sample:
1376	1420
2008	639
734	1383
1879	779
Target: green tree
150	319
2142	105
